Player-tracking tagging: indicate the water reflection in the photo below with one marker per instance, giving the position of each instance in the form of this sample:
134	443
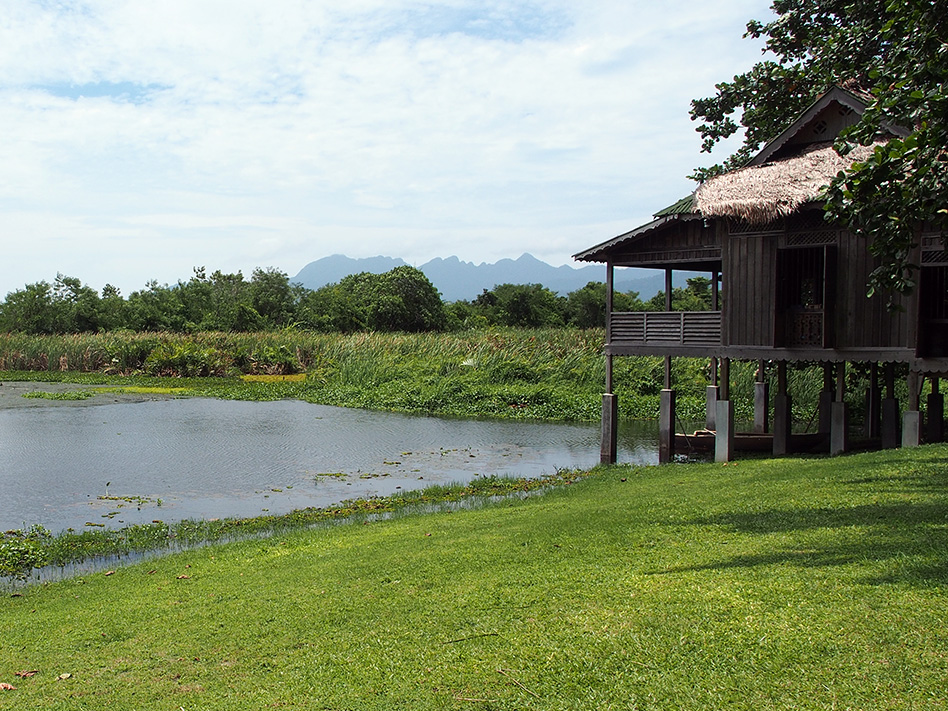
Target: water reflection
203	458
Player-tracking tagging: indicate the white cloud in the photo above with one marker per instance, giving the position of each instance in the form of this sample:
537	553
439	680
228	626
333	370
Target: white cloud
142	139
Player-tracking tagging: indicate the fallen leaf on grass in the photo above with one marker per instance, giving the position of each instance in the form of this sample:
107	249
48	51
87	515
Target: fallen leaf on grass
27	674
4	686
184	577
111	572
62	677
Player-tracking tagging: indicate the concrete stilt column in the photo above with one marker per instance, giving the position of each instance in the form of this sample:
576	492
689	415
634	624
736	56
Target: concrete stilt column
608	451
666	426
911	428
935	423
724	417
891	431
839	439
912	418
724	434
782	409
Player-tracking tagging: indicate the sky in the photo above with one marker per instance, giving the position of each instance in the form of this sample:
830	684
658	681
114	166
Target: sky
141	139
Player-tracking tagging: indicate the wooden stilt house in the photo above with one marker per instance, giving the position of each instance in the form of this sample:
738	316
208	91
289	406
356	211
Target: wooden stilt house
792	289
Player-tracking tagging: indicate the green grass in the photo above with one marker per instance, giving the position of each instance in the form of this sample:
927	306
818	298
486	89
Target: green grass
784	584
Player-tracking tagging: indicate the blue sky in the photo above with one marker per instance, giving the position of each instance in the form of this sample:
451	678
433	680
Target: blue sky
141	139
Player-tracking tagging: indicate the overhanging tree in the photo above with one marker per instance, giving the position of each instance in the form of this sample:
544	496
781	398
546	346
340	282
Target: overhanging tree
895	55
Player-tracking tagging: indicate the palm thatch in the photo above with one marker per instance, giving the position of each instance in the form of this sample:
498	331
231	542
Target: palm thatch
764	193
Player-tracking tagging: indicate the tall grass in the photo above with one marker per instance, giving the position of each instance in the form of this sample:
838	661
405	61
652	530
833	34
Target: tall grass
556	373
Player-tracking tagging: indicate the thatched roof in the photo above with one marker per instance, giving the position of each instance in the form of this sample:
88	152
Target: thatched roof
763	193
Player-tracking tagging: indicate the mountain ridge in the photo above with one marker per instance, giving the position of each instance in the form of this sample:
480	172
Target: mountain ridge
458	280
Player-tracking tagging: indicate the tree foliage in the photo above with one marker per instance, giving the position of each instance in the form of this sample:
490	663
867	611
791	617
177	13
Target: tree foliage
895	54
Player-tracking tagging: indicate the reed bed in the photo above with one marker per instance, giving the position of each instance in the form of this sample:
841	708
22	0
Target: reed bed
552	374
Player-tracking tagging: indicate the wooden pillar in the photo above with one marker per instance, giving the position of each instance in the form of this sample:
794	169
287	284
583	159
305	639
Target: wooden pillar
710	406
724	417
782	410
935	423
826	399
608	449
873	404
715	292
891	427
666	426
761	402
839	421
911	418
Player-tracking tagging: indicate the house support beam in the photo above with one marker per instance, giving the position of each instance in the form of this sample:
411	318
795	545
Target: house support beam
608	447
935	423
710	407
724	417
666	426
761	402
826	400
608	450
873	404
782	421
891	430
711	395
912	418
839	420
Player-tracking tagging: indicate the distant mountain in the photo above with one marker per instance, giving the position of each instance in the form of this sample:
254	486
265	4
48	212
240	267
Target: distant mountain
457	280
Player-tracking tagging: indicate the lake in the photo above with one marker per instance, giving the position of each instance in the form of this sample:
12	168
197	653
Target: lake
128	463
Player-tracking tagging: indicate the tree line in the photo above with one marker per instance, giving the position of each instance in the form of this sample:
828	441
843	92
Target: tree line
402	299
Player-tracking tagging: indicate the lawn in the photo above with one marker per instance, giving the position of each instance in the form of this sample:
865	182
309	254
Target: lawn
779	584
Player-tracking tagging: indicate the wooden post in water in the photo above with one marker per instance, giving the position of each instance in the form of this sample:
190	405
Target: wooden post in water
666	426
608	448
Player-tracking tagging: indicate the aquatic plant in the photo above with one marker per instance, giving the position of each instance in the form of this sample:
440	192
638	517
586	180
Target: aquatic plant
21	552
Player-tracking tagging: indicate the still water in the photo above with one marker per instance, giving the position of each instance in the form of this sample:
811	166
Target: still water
122	464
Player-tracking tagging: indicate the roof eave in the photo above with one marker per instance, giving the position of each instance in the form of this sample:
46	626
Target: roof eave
597	253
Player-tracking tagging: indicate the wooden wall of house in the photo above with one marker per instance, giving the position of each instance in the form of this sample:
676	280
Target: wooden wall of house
863	322
749	289
684	241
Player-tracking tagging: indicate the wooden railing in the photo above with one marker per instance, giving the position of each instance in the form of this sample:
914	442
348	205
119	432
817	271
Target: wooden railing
673	328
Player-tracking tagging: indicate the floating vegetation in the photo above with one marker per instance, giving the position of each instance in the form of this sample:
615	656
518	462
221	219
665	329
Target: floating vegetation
333	475
294	378
147	390
21	552
64	396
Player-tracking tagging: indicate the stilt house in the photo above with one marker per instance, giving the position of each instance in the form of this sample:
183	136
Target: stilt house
792	289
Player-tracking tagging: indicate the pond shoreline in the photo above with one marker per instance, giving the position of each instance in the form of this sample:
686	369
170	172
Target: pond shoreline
15	395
